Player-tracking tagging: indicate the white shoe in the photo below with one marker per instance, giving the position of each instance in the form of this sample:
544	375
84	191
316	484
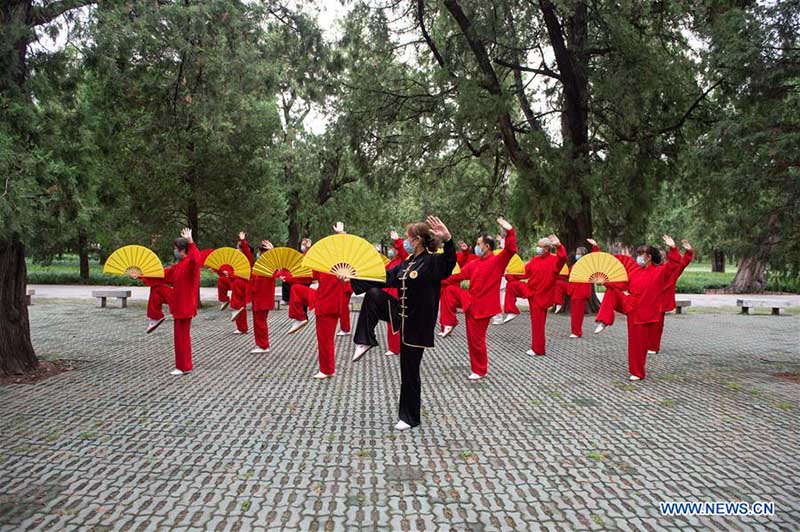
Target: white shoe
235	314
390	354
297	325
510	317
600	327
342	333
446	331
361	350
224	305
322	376
558	309
475	377
153	325
574	336
649	352
258	350
634	378
176	372
237	331
533	353
402	425
498	320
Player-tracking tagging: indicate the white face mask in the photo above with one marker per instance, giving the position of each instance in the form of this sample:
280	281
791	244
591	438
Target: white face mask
577	257
640	260
303	248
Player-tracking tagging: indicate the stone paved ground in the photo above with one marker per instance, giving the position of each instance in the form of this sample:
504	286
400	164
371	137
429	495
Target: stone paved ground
250	441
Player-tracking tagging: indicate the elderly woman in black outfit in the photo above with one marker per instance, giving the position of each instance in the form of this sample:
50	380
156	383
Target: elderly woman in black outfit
413	313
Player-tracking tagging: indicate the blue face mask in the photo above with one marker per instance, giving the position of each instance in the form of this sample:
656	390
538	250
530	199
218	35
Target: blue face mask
577	257
408	246
178	255
640	260
539	250
478	250
391	253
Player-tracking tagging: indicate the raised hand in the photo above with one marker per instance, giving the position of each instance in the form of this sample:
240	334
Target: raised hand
686	245
187	234
267	244
339	227
393	235
134	274
669	241
438	228
554	240
462	245
504	223
592	241
241	235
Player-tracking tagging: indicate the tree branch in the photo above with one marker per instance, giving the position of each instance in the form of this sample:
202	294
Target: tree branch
53	10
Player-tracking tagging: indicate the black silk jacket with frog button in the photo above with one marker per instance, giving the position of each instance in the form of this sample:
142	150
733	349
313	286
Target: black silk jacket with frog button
418	281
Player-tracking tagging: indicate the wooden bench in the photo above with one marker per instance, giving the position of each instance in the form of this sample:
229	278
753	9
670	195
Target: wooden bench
775	304
102	295
680	303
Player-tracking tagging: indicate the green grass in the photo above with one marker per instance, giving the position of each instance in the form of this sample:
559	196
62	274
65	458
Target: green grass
67	271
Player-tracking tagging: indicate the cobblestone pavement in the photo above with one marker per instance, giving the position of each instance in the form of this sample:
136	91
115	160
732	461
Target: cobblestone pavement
561	442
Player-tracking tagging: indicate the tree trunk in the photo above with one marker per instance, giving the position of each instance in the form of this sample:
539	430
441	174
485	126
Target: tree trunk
750	277
83	254
294	205
718	261
16	351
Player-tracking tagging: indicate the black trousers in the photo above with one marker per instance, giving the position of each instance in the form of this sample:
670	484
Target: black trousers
410	384
378	306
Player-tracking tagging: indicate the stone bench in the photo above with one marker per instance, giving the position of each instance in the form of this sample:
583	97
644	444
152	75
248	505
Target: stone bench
775	304
102	295
680	303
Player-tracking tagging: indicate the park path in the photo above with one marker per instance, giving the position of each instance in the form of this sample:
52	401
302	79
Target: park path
140	293
252	442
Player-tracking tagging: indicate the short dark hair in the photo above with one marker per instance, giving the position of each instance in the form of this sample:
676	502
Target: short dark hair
488	240
182	244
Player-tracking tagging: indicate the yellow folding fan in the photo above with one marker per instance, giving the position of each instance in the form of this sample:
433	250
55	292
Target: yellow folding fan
596	266
386	260
278	259
515	265
130	259
230	259
347	255
564	270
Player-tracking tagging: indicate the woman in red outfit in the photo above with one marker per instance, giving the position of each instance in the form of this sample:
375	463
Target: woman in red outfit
482	301
327	308
160	294
347	293
541	273
263	290
579	294
642	303
668	297
301	296
241	290
397	254
184	277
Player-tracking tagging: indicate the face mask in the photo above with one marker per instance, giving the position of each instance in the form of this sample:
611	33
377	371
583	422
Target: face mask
391	253
577	257
303	248
478	250
539	250
178	255
640	260
408	246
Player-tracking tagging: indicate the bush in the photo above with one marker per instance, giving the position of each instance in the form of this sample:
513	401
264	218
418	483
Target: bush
699	282
207	279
